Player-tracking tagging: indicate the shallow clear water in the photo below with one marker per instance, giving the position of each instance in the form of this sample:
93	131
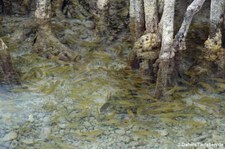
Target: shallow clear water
99	103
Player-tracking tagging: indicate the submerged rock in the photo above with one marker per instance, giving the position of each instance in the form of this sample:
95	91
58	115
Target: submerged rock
28	141
163	133
14	144
10	136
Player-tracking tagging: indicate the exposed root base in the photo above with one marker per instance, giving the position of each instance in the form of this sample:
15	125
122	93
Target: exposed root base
47	45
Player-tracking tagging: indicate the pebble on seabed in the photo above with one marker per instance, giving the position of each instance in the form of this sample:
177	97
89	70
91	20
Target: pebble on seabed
27	141
10	136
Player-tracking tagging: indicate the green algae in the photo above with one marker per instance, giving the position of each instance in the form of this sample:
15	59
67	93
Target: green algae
121	103
146	133
209	100
219	80
175	89
92	134
175	115
90	44
164	107
58	143
131	114
49	106
83	82
134	93
208	87
112	122
221	86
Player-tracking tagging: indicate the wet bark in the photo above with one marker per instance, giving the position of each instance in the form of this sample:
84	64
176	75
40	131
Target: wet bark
137	18
144	19
58	8
169	47
46	44
216	14
180	37
216	21
7	6
25	6
151	16
166	53
103	13
214	52
7	72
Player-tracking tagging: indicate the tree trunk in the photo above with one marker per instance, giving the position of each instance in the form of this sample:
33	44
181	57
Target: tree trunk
180	37
216	13
25	7
7	72
137	19
166	53
43	15
57	8
46	43
7	6
179	42
43	9
103	13
151	16
160	4
214	52
216	20
144	16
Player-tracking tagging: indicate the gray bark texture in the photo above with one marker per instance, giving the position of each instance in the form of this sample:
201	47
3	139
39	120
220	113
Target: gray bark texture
214	53
7	6
57	8
103	13
46	43
166	53
144	26
214	41
43	9
216	14
180	37
151	15
137	23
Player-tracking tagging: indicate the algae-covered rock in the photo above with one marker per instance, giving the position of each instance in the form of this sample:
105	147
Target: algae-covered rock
214	53
145	53
214	44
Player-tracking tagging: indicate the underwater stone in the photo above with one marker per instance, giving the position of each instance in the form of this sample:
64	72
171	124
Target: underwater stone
163	132
14	144
28	141
62	126
45	132
126	139
10	136
120	131
87	124
200	119
30	118
89	24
